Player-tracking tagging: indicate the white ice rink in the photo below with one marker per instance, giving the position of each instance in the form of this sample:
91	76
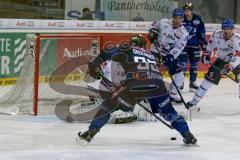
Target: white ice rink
217	128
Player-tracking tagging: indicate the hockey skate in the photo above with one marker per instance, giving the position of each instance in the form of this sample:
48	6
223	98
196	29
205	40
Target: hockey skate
189	138
193	86
86	137
192	105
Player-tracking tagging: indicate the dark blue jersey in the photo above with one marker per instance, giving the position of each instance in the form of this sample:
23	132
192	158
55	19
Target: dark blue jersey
134	61
196	30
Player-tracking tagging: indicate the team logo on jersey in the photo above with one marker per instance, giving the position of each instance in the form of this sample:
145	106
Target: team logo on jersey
196	22
189	28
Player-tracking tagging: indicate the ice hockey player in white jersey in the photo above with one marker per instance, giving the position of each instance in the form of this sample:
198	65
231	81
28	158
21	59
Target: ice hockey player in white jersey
171	37
226	43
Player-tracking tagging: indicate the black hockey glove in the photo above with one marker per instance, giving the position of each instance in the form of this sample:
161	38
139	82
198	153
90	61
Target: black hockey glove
168	59
153	35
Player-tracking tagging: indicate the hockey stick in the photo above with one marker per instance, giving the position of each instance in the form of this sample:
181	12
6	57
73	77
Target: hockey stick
175	85
154	115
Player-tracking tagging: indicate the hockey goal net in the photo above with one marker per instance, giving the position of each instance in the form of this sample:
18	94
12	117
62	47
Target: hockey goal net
54	69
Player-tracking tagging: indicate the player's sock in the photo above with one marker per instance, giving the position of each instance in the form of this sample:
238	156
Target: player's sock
179	80
202	90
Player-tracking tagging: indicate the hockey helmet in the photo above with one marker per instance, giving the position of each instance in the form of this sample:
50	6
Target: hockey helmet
188	5
178	12
228	23
138	40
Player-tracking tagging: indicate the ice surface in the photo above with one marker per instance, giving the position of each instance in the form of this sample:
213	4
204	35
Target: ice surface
216	126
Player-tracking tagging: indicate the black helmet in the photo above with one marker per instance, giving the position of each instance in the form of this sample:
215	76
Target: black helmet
138	40
188	5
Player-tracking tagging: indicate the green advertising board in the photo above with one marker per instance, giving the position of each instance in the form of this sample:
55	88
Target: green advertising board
12	51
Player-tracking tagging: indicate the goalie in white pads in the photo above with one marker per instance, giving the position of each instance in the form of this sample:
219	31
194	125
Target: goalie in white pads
226	43
171	37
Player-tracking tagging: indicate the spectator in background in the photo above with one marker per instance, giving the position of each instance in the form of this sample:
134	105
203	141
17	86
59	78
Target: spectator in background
86	14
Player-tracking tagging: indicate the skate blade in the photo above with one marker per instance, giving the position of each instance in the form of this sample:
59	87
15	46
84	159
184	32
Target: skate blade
81	141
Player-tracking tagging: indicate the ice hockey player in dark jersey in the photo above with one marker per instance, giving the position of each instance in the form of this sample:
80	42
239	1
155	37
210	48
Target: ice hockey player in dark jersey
137	77
196	40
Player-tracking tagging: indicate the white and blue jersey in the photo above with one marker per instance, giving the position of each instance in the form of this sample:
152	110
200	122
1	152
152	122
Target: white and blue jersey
171	39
